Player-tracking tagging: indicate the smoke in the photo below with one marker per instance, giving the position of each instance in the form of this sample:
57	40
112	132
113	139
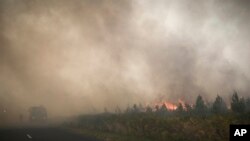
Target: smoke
81	56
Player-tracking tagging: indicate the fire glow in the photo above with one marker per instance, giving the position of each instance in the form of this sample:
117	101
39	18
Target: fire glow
169	105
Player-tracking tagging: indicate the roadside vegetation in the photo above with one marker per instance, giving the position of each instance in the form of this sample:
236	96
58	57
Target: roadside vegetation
198	122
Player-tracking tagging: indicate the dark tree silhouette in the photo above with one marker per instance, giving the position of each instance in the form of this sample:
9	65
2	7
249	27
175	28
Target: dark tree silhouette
219	106
157	108
237	104
200	107
248	105
180	109
188	108
135	109
149	109
163	110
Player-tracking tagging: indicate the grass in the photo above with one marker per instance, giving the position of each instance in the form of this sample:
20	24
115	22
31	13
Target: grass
152	127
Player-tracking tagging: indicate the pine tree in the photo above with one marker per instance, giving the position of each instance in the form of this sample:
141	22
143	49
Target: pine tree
163	110
200	107
188	108
180	109
149	109
135	109
219	106
237	104
157	108
248	105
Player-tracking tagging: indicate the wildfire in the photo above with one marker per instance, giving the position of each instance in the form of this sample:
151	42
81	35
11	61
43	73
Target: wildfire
169	105
182	103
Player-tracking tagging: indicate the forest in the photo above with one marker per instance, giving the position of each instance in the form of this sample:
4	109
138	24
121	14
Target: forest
198	122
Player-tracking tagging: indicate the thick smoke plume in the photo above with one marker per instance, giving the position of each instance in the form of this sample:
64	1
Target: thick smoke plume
80	56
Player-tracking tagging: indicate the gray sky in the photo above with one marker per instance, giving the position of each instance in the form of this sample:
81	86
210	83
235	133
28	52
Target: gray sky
80	56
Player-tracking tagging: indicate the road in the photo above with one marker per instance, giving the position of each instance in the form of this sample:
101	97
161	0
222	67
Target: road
40	134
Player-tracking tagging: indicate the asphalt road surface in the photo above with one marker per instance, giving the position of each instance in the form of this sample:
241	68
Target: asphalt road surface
40	134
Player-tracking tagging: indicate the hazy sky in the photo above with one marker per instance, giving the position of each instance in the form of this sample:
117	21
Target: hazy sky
76	56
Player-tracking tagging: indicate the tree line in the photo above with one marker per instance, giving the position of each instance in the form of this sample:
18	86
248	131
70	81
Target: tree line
238	105
209	121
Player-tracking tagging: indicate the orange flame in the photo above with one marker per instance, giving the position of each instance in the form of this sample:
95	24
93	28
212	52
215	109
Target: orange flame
183	104
170	106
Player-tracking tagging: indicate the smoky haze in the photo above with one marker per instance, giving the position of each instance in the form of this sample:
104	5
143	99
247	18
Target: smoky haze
80	56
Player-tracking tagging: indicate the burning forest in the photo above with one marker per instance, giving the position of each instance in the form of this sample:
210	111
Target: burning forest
156	70
168	121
